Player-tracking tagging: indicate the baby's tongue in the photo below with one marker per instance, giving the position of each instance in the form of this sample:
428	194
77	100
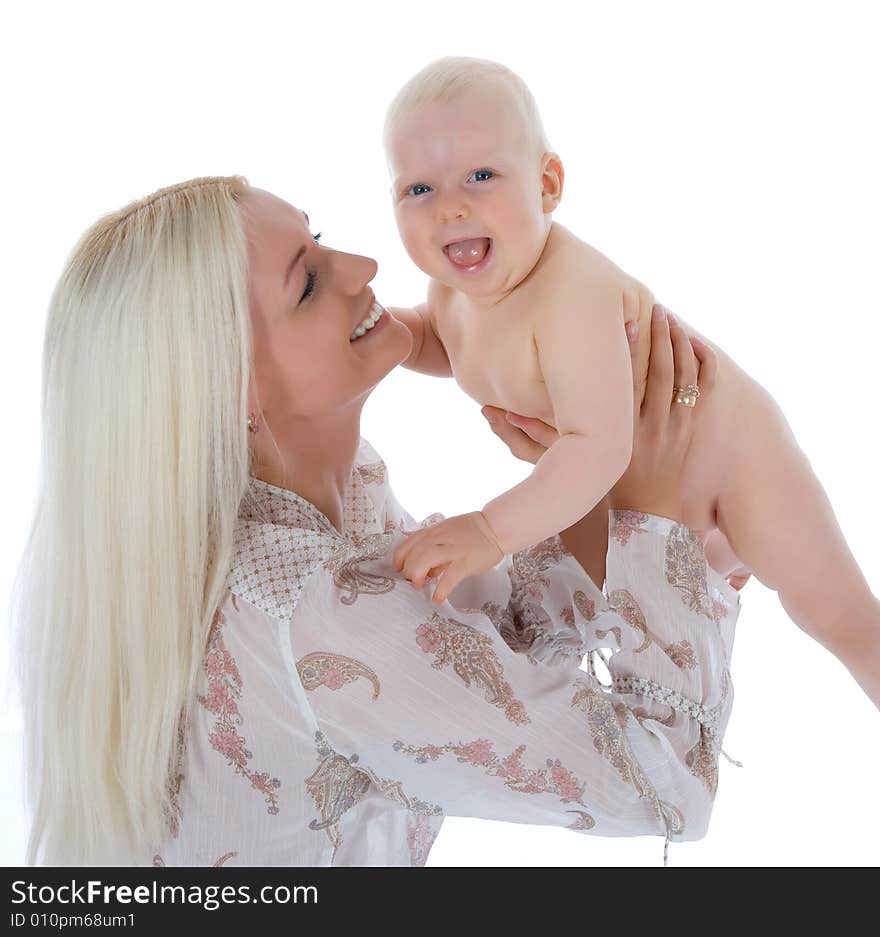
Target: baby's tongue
468	253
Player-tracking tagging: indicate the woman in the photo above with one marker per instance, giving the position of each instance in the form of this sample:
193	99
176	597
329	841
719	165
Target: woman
219	664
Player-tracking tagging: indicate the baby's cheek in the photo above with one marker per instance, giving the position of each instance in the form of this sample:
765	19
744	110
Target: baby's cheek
414	238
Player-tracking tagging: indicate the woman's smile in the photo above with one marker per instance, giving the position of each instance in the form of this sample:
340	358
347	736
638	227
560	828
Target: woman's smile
375	319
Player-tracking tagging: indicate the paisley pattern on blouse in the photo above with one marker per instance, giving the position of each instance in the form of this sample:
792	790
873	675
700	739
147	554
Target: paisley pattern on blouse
393	791
703	763
224	692
321	668
517	636
373	473
582	822
602	633
626	606
606	721
642	714
682	655
673	818
555	778
420	837
529	580
686	569
336	786
720	605
473	659
159	862
175	778
528	570
585	605
624	524
344	562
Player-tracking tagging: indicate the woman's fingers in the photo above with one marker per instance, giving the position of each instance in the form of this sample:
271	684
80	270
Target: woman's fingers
538	431
520	445
707	365
684	361
658	390
685	367
738	580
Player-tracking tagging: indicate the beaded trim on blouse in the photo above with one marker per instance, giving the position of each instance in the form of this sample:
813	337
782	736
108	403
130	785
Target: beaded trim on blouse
638	686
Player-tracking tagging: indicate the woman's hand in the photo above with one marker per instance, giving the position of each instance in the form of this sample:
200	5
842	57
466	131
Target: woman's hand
663	426
528	438
662	430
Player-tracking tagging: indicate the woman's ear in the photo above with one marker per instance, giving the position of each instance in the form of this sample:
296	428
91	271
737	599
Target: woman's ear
552	179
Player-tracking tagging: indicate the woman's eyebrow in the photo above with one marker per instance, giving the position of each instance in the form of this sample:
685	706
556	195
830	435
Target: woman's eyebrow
292	264
299	253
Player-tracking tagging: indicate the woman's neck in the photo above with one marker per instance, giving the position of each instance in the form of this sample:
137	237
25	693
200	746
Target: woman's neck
314	457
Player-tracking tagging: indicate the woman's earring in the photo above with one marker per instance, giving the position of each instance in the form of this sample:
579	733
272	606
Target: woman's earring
252	423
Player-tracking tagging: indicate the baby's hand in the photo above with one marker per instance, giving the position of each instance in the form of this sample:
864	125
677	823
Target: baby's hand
460	547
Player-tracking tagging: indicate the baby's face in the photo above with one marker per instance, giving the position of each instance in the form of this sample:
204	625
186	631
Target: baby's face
466	187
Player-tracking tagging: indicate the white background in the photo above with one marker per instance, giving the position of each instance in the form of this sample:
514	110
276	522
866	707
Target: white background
724	154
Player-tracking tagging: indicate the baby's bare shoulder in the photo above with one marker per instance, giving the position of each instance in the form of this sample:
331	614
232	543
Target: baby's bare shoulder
574	279
575	263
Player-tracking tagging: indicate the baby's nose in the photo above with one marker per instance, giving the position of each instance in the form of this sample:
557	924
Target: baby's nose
453	212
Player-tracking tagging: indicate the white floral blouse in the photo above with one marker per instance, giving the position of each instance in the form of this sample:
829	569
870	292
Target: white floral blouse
341	716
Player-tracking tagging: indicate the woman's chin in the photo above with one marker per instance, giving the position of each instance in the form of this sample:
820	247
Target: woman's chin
383	351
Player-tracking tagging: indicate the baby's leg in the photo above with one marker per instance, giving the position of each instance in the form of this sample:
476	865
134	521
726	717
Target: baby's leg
779	522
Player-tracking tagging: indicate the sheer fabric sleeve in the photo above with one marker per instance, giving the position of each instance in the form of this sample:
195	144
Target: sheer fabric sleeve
440	712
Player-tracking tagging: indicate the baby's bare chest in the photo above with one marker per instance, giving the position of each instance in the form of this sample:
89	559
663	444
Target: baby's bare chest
494	357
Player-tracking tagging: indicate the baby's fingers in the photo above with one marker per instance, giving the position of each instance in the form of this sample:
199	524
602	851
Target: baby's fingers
452	576
422	561
404	551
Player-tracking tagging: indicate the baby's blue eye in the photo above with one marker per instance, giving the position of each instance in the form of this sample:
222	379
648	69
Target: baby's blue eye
486	174
413	189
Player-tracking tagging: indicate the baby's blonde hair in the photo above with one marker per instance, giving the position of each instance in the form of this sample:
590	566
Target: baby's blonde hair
448	79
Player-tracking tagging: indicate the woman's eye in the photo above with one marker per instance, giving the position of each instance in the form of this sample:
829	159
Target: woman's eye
482	175
311	278
418	189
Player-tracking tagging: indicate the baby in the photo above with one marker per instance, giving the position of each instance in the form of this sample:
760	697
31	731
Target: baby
528	318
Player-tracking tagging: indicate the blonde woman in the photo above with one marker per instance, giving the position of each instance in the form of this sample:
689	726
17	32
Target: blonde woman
219	665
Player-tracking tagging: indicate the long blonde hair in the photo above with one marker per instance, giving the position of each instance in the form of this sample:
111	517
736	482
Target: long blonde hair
146	365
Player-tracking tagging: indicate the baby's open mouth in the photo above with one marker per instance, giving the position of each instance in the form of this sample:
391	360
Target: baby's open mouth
467	253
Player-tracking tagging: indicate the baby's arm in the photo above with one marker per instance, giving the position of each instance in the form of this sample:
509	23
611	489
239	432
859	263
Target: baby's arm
778	519
428	354
585	361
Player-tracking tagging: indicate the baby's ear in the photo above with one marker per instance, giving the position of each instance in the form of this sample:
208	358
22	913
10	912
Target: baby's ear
552	179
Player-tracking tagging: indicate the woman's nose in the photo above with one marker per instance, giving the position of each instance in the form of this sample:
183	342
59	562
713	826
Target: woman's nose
354	271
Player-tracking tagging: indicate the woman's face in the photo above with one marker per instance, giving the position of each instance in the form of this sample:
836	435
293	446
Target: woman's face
306	303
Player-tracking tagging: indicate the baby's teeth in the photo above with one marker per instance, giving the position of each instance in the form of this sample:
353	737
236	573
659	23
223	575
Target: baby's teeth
359	331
